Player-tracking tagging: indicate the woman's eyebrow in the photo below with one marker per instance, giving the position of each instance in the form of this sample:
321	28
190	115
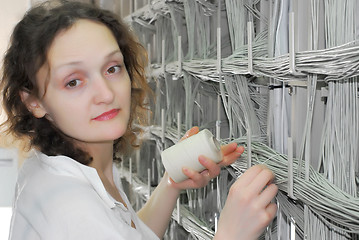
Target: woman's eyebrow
115	52
68	64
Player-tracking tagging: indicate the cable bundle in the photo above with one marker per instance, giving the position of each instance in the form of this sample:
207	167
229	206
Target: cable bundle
190	86
336	208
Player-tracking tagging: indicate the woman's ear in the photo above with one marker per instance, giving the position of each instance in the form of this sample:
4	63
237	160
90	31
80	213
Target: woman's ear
33	104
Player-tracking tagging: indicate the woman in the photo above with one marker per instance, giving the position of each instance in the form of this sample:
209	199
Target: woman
73	85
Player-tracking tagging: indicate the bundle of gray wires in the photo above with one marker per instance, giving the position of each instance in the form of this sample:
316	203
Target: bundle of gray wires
335	207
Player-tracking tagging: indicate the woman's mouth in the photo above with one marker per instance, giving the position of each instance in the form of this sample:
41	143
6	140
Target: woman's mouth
107	115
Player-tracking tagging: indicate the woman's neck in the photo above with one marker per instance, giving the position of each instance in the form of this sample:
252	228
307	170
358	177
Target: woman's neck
102	158
102	154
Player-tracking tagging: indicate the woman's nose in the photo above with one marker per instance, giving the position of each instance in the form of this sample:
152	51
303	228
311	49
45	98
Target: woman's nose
103	92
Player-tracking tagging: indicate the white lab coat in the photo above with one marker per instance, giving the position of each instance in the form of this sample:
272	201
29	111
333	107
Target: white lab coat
59	198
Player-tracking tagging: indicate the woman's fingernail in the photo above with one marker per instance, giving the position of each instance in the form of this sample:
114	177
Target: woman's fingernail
240	149
189	130
202	159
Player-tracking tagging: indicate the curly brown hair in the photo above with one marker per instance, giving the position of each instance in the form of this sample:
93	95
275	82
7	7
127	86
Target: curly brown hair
30	42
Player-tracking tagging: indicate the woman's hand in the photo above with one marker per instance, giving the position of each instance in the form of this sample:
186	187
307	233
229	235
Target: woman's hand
248	209
230	153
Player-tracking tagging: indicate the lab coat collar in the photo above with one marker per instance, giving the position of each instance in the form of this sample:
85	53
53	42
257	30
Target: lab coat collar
66	166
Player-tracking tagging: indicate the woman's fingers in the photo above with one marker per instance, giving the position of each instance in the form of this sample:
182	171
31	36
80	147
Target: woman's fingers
249	208
231	147
230	152
264	198
212	170
271	211
231	157
190	132
190	173
248	176
196	180
264	178
212	167
228	148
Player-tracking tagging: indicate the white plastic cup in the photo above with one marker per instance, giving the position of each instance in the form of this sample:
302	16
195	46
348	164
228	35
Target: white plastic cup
186	153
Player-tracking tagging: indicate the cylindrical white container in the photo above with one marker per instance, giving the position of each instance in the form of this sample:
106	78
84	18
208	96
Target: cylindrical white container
186	153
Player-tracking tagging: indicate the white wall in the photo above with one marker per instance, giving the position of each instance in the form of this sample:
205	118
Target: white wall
11	11
8	175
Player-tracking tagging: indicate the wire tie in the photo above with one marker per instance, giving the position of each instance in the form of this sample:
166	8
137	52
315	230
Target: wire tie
290	169
179	70
250	48
163	59
292	45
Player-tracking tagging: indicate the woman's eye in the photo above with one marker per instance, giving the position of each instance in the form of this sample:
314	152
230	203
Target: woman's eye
114	69
73	83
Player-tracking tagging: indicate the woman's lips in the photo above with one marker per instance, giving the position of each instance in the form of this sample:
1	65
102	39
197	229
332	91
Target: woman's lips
107	115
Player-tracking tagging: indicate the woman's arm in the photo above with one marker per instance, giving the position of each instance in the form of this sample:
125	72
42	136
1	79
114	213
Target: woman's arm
248	209
157	212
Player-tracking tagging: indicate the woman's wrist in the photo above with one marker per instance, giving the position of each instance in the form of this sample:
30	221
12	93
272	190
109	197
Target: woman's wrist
170	187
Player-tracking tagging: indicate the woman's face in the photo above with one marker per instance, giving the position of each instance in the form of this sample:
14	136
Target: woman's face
85	86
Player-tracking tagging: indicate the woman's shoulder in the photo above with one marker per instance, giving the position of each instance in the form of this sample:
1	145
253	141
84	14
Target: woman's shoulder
50	182
54	199
53	196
